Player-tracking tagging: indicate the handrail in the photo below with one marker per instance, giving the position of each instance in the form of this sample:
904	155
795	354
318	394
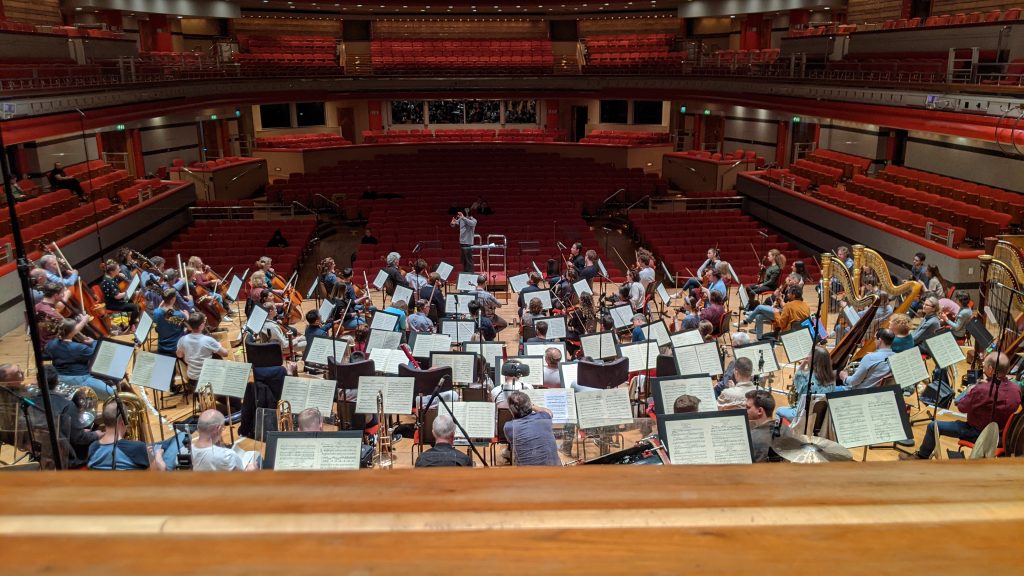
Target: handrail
246	171
337	207
631	206
304	207
614	194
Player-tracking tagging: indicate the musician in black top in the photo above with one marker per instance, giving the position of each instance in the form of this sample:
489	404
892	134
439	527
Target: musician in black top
576	255
443	453
113	297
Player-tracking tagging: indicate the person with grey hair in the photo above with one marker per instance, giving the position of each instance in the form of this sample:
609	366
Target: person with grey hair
489	304
310	420
530	436
467	228
395	277
930	325
53	273
209	452
443	453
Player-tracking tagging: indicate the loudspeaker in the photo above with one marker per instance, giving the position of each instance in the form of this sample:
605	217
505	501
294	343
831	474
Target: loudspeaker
938	394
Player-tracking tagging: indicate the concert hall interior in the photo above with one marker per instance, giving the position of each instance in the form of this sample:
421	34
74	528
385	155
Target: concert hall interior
772	245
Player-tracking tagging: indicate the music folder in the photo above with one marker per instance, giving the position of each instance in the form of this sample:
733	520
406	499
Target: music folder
798	343
380	280
600	345
463	365
707	437
667	389
869	416
397	390
304	393
466	281
556	326
111	358
478	418
142	330
312	289
665	297
444	270
382	320
130	291
154	371
320	349
518	282
257	318
313	450
944	349
225	377
234	287
758	353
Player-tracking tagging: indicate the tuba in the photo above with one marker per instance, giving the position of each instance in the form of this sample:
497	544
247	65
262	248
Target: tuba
206	400
137	417
385	450
283	414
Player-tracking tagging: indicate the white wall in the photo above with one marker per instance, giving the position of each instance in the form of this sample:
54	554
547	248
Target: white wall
751	129
851	138
162	144
67	149
965	159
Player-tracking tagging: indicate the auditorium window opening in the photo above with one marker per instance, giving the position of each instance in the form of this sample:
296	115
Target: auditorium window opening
647	112
275	116
614	111
520	112
309	114
407	111
447	111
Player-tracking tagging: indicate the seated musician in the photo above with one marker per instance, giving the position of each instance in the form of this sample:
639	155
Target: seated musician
48	317
328	275
486	329
638	332
59	180
734	396
499	394
443	453
433	293
53	273
582	320
400	309
552	372
759	405
531	286
394	273
632	290
873	367
126	260
274	331
37	277
71	358
130	454
209	452
173	281
686	404
488	303
930	325
729	375
420	321
772	267
202	276
900	326
534	310
418	277
717	279
843	255
958	322
794	310
645	264
73	434
589	271
822	382
170	323
576	257
540	329
686	317
714	257
346	298
917	269
993	399
368	238
195	347
530	435
315	327
265	266
706	330
714	311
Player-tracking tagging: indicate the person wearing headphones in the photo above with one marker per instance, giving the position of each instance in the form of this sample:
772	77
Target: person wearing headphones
530	436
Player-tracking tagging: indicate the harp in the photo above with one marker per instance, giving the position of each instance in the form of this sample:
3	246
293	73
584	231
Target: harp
868	262
852	345
838	287
1001	272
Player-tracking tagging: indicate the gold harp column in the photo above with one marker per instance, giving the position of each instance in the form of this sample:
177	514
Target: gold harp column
858	267
826	285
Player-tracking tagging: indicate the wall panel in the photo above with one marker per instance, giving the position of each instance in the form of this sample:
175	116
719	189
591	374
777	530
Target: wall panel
858	11
970	160
45	12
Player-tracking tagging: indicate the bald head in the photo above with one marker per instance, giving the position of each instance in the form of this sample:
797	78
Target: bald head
310	420
999	363
210	423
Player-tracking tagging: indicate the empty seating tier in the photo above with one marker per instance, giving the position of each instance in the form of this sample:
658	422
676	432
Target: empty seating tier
463	135
303	55
622	138
632	53
302	141
433	56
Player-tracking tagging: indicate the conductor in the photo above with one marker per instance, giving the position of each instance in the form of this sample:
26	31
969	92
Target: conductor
467	227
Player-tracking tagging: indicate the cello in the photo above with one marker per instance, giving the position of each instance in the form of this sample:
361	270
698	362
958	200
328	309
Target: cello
206	303
81	297
288	295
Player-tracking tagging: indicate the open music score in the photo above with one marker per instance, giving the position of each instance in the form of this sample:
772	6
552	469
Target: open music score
744	298
569	372
945	350
687	338
541	348
600	345
643	356
556	326
458	330
326	309
111	359
314	450
603	408
304	393
153	371
663	294
600	266
536	376
225	377
852	317
402	294
444	270
478	418
458	303
386	339
658	331
234	287
582	288
466	281
380	280
543	295
798	343
622	316
668	389
868	417
561	402
707	437
312	288
759	352
908	367
132	287
257	318
388	361
398	392
382	320
699	359
490	351
320	349
142	330
424	344
463	365
518	282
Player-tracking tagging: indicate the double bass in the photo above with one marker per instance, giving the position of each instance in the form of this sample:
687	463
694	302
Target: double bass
80	297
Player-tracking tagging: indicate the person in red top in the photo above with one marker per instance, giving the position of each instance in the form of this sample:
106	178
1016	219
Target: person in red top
993	400
714	311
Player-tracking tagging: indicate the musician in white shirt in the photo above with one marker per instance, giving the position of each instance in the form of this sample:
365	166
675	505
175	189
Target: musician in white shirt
735	396
209	452
275	333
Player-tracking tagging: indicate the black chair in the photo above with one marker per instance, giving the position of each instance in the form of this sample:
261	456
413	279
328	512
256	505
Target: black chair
424	383
603	375
666	366
263	355
346	377
502	416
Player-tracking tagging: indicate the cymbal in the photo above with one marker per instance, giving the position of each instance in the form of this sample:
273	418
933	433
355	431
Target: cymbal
801	449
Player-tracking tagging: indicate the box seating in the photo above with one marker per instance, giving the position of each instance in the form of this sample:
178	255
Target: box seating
432	56
632	53
850	165
28	73
624	138
817	173
302	141
998	204
306	55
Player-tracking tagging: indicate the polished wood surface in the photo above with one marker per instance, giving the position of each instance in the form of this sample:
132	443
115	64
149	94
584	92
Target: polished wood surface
850	518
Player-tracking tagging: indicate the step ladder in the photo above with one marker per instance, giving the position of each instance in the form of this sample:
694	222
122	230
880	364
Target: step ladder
962	65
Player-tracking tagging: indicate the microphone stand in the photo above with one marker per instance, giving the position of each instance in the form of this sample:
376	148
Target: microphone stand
436	394
760	368
24	403
808	425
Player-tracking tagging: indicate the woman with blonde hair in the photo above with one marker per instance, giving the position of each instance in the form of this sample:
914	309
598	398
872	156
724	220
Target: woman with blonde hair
900	326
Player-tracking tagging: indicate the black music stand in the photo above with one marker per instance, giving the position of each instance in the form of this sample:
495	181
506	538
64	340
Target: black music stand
346	377
426	383
604	375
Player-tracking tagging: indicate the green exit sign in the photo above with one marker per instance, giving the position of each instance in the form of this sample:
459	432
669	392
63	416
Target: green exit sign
213	116
796	119
120	127
682	109
707	112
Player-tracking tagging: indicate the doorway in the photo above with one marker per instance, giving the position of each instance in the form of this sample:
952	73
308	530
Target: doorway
714	131
803	140
347	123
580	119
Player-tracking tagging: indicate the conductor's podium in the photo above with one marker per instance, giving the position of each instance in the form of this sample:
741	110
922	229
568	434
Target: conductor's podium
849	518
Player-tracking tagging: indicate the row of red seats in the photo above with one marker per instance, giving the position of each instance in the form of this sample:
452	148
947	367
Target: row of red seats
786	179
954	20
718	157
850	165
989	197
236	244
172	57
456	135
459	46
302	141
37	209
832	29
817	173
743	57
889	68
621	137
12	26
210	164
911	221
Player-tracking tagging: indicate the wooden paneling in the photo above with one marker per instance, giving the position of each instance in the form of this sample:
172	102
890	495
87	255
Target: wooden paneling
859	11
967	6
269	26
629	26
413	28
46	12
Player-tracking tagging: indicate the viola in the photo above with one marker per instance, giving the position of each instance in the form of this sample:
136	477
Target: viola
290	296
83	298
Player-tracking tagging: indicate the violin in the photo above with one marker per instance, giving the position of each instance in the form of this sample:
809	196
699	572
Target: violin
289	296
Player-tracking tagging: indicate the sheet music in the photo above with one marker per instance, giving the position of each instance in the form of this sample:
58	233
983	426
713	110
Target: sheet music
153	371
851	315
317	453
444	270
234	287
561	402
702	387
458	303
132	287
490	351
257	318
478	418
600	266
142	330
873	417
665	298
536	268
642	356
722	439
380	280
744	299
945	350
388	361
908	368
326	309
462	365
556	326
305	393
402	294
688	338
519	281
541	348
536	364
227	378
111	359
466	281
756	352
424	344
398	392
458	330
581	287
599	346
797	343
657	330
312	289
603	408
383	339
569	373
699	359
382	320
622	316
320	349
